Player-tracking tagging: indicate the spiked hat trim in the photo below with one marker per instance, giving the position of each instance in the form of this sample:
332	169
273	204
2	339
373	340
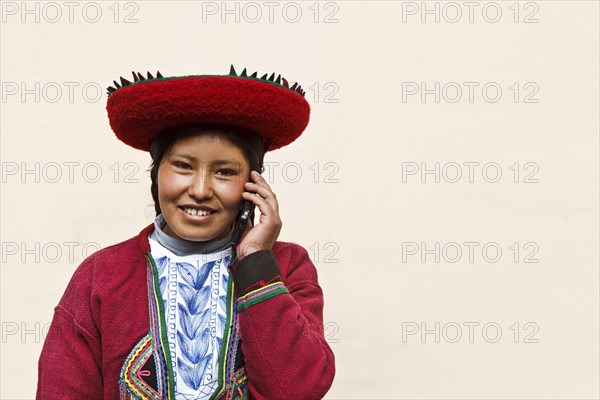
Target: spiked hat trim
269	106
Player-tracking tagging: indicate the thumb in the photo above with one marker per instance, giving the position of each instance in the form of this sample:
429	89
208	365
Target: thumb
244	247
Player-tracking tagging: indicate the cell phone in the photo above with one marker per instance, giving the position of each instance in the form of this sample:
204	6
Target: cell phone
246	214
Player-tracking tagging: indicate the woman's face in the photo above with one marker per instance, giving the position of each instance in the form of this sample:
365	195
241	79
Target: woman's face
200	186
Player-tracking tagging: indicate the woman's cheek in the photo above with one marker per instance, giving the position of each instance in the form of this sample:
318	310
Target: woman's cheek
178	181
171	184
232	193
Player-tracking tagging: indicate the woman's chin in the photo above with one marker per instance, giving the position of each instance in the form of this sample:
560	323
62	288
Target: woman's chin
193	235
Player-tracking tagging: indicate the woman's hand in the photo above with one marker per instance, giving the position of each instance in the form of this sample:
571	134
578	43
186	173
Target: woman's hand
264	234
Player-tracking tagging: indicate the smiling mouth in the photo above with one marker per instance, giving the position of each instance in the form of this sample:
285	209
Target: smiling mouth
194	212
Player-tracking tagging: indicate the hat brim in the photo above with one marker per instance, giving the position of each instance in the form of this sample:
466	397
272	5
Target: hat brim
139	112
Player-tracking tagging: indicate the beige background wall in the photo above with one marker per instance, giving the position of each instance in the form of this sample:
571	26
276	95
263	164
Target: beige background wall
370	218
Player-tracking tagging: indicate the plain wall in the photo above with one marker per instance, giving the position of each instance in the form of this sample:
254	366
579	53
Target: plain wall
388	189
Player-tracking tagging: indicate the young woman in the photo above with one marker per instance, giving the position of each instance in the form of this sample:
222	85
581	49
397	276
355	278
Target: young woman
187	309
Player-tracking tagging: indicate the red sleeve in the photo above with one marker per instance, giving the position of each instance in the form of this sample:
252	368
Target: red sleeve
69	367
283	341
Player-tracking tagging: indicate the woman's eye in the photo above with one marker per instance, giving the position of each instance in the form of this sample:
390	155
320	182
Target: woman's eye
182	165
226	172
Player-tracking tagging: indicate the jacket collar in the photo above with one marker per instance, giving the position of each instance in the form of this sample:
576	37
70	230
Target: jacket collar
143	237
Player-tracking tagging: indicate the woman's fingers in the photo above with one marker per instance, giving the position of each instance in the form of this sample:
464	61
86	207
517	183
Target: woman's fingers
263	205
265	233
263	189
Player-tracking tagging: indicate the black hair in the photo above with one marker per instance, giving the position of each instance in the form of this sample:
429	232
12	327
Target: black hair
248	142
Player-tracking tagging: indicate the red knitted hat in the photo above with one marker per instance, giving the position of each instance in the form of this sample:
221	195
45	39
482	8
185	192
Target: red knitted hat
268	106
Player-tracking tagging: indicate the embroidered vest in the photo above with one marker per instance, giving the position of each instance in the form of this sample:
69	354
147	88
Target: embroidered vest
146	373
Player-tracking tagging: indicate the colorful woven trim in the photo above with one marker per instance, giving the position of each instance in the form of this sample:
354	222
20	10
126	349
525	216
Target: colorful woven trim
158	327
262	294
145	374
133	384
238	390
231	369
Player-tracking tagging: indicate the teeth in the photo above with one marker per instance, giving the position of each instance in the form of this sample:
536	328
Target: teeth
193	211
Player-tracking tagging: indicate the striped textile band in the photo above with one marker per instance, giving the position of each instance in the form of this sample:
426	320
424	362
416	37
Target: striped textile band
262	294
232	351
227	343
159	331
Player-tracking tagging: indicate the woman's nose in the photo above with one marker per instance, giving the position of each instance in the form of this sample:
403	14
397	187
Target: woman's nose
201	187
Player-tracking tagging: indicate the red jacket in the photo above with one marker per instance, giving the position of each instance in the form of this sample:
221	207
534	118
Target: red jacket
107	339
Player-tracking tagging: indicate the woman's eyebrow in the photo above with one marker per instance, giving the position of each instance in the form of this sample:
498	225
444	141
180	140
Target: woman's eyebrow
183	155
215	162
223	162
